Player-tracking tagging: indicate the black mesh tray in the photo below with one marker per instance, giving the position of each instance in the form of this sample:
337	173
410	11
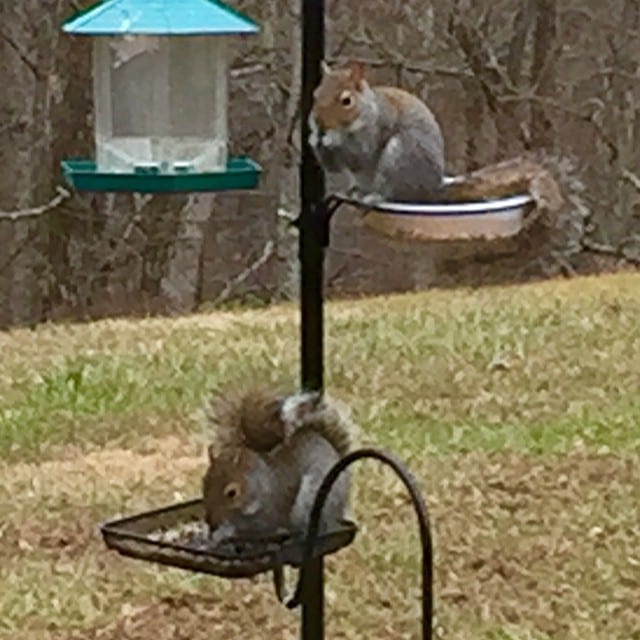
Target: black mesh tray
176	536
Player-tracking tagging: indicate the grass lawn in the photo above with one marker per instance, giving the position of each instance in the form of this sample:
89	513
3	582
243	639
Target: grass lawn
518	408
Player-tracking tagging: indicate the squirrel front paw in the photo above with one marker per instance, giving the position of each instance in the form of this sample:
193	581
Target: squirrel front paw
353	192
314	139
372	198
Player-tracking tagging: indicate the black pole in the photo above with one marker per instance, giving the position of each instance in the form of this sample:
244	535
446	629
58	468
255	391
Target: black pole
313	223
312	241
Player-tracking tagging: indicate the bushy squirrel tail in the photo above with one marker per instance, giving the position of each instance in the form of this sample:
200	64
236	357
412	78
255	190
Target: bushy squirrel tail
326	416
507	178
260	419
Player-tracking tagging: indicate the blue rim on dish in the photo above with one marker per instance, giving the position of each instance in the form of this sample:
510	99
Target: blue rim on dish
501	205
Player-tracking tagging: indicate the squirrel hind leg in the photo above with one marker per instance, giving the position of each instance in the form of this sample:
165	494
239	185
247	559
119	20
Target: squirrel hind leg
335	507
408	171
315	456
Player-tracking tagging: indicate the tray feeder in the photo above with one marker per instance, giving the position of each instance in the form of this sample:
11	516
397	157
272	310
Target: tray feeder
160	90
177	536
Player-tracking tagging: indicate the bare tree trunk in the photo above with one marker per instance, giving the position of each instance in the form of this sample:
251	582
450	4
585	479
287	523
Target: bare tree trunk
545	54
25	139
623	107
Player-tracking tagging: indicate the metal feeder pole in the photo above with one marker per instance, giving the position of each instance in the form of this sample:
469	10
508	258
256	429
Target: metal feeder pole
313	230
313	225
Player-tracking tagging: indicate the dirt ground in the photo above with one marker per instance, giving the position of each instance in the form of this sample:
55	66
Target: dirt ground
526	547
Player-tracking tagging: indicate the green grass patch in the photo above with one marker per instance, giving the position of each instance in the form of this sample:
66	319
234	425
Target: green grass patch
536	368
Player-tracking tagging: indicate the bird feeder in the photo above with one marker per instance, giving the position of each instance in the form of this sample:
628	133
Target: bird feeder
490	203
160	71
489	220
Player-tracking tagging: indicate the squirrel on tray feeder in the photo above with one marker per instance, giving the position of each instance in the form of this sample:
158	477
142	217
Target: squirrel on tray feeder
268	459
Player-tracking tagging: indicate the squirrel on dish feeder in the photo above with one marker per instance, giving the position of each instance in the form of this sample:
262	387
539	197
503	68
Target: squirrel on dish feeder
268	459
389	147
385	141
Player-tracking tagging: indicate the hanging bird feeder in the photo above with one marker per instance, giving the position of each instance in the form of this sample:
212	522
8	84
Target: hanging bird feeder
160	91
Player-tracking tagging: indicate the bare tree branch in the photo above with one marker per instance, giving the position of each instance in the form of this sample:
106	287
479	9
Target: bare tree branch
633	178
23	56
63	195
267	253
521	27
608	250
18	249
16	123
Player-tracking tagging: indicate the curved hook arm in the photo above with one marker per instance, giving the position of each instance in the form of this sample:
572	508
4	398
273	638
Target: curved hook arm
423	520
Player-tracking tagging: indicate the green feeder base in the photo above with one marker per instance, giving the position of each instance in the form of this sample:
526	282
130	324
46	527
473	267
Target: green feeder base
241	173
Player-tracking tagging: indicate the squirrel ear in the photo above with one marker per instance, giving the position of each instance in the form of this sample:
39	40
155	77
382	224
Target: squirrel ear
211	452
325	68
357	72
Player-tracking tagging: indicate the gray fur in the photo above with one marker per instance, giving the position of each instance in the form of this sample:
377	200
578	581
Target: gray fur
315	458
385	154
278	486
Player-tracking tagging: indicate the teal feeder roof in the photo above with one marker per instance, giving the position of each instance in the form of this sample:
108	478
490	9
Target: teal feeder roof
159	17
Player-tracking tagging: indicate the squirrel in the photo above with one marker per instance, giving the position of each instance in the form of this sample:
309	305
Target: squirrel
269	456
383	140
521	174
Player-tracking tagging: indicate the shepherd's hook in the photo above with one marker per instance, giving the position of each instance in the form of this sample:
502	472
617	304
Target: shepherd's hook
423	520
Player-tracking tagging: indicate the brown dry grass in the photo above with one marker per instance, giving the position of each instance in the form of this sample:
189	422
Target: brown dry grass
546	546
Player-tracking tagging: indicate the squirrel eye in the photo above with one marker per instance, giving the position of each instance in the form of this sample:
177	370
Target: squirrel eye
231	491
346	100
